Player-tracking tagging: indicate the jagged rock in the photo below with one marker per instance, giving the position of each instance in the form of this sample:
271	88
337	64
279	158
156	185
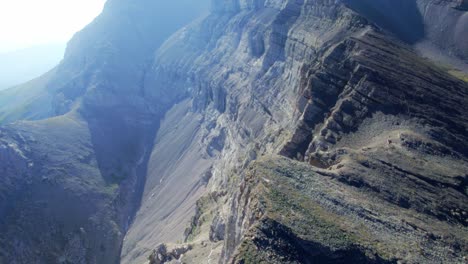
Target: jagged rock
159	255
379	136
80	161
162	255
462	5
217	229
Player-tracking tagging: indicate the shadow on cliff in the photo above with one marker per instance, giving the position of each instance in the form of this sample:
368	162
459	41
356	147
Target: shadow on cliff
281	25
122	141
401	17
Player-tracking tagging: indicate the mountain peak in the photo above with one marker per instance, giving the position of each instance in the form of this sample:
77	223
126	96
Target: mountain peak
264	132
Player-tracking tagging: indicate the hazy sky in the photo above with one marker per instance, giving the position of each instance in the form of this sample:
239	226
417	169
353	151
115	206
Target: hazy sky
25	23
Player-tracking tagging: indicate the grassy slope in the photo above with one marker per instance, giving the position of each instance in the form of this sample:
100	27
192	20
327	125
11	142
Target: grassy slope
310	215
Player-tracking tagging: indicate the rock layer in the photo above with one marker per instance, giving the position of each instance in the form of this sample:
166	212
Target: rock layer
282	131
72	182
318	82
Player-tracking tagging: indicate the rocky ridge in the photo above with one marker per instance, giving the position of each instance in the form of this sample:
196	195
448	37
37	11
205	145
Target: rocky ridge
86	132
333	102
371	138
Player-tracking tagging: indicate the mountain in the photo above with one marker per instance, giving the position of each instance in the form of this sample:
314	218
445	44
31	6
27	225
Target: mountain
20	66
286	131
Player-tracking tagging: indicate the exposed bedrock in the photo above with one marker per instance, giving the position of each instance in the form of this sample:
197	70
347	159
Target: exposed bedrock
73	175
444	23
275	131
300	78
317	82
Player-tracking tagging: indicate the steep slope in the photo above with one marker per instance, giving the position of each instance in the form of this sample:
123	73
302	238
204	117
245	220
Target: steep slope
71	182
55	205
442	23
271	131
437	29
112	52
317	82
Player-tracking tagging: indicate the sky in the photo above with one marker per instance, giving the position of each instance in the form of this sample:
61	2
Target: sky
27	23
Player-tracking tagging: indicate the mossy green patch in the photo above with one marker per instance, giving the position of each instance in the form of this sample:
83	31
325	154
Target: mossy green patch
460	75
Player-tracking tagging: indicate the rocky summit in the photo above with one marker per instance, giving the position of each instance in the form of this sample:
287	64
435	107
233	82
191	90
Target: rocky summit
244	131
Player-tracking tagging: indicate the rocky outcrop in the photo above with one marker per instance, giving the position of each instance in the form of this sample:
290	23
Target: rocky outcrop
442	23
58	208
306	80
72	182
182	148
308	215
462	5
161	254
107	59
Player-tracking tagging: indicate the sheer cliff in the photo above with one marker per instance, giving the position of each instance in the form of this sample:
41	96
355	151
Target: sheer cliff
270	131
73	163
321	83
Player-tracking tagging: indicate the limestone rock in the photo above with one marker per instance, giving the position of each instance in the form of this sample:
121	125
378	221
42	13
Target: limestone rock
282	131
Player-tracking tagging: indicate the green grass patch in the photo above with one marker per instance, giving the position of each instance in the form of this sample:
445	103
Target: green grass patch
459	74
202	216
449	69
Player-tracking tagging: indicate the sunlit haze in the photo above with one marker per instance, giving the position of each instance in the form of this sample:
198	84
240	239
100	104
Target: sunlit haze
26	23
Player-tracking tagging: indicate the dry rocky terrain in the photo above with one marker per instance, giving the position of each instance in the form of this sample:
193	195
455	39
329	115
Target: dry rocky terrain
268	131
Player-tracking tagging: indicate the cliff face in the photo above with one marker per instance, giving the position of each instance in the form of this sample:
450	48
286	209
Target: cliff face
107	59
320	83
443	23
276	131
71	182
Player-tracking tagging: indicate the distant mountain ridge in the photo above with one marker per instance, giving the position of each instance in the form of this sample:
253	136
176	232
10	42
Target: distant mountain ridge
20	66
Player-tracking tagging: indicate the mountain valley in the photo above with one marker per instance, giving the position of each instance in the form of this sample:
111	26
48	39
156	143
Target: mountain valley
262	131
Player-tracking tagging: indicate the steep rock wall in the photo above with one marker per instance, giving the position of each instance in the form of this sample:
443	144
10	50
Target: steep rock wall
375	128
443	23
297	77
90	149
